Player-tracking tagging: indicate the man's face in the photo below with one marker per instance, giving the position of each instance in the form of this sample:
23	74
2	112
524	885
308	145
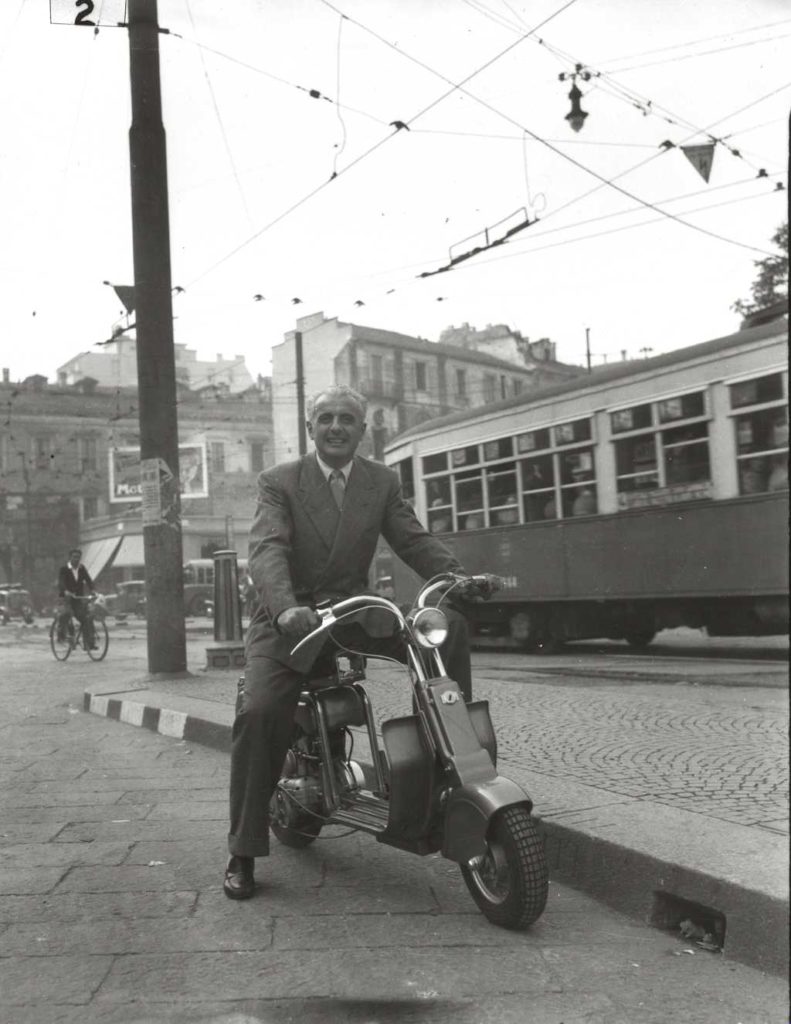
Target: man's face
336	427
74	559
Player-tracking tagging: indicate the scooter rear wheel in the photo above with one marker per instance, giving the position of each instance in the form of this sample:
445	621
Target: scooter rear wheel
510	882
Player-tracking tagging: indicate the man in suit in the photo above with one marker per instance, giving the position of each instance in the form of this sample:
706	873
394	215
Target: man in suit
74	586
313	538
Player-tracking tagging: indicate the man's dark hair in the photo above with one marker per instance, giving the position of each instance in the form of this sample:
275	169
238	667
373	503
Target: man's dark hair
75	551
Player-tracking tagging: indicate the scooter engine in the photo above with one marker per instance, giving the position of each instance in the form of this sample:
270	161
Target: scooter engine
303	791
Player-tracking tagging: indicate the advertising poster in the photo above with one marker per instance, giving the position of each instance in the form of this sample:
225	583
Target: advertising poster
126	481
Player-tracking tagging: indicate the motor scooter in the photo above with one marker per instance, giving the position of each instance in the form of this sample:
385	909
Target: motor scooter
434	786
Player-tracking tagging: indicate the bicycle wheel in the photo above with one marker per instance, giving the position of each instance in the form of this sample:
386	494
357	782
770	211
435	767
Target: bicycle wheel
101	639
61	648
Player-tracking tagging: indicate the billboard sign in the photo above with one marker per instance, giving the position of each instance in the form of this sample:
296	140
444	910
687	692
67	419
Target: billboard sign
125	477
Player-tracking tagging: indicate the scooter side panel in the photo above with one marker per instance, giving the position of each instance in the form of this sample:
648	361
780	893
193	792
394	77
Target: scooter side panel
484	730
411	778
469	811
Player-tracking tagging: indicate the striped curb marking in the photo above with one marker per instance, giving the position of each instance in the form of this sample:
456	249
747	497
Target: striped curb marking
175	724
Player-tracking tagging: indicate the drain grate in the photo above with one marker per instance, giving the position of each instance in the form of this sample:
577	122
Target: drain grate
692	921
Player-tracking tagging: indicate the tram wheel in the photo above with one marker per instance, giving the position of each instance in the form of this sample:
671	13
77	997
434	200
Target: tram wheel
524	629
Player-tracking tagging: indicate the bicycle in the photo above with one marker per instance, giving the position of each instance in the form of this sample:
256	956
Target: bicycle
73	636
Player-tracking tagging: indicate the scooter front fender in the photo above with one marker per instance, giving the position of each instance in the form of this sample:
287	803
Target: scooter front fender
469	810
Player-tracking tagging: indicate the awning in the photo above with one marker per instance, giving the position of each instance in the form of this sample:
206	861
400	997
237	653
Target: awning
131	552
97	553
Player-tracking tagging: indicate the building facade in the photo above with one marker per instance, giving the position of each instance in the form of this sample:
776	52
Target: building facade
406	380
69	476
115	365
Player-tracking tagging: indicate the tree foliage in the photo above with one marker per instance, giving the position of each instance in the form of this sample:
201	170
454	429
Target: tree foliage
771	282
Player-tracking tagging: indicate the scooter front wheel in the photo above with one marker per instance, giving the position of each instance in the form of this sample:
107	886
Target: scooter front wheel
509	882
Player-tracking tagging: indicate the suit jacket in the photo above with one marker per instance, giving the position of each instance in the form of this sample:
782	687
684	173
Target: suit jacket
304	550
82	586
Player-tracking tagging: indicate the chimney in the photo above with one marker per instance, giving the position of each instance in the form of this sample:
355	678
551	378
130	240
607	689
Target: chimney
6	375
623	355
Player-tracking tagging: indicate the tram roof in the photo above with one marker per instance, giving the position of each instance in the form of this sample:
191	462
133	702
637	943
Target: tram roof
602	375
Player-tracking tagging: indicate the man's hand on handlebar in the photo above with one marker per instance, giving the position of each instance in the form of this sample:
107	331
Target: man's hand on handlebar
297	621
478	588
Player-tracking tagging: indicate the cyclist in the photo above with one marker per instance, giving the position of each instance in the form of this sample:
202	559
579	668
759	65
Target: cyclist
74	587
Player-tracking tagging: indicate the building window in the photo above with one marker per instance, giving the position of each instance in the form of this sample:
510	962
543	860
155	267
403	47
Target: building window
461	383
88	459
516	386
377	373
761	434
42	448
256	456
421	376
217	456
489	388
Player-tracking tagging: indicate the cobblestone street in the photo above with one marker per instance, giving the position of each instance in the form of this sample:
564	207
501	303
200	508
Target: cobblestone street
112	846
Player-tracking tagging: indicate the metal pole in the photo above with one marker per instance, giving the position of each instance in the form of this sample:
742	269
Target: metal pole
588	347
302	432
156	369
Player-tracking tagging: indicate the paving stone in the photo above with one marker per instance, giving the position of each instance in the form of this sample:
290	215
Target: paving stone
96	906
65	979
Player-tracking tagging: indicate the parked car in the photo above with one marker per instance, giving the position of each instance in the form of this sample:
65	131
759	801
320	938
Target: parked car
15	603
128	599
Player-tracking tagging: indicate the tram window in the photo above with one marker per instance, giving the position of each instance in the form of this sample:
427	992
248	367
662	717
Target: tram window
576	466
579	501
502	449
757	391
407	477
762	431
439	520
683	407
762	450
465	456
635	463
636	418
435	463
469	492
538	473
686	452
502	493
533	441
438	492
539	505
571	433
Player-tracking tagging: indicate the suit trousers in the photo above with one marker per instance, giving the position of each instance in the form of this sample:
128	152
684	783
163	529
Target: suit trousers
264	723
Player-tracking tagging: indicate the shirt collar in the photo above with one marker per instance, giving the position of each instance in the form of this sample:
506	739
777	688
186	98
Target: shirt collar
326	470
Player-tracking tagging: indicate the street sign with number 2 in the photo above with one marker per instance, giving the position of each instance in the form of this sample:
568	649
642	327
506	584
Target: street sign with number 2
88	13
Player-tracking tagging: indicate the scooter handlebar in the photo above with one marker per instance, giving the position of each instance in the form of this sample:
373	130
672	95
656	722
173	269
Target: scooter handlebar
348	606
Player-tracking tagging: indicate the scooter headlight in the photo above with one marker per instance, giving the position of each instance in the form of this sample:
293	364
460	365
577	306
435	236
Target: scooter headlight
430	627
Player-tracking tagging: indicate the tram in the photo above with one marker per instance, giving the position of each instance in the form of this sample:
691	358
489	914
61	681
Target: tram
642	496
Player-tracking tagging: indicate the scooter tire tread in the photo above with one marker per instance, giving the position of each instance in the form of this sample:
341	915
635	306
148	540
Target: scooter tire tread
523	846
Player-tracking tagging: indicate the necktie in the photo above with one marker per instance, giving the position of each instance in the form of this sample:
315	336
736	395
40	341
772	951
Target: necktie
337	486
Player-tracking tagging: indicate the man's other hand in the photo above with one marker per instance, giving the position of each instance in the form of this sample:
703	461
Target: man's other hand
297	621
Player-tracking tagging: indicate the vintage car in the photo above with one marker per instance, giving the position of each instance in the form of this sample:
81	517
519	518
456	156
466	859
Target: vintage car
15	603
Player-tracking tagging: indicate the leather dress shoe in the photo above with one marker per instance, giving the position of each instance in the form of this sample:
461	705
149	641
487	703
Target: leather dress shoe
239	882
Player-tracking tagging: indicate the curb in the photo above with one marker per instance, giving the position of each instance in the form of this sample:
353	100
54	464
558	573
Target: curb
657	892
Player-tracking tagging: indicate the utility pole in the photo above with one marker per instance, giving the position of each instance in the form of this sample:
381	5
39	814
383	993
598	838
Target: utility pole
303	441
588	347
156	369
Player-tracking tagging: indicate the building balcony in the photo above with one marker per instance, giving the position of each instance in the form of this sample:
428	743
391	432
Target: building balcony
372	388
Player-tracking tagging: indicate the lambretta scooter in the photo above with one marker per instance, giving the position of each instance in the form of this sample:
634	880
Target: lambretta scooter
434	786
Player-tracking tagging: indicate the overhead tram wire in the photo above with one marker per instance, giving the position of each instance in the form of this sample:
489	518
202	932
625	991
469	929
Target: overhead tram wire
368	152
460	87
605	181
220	122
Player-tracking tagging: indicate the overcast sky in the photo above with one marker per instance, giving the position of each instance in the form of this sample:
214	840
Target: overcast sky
251	156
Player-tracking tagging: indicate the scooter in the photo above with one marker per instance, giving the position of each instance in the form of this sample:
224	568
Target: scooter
434	786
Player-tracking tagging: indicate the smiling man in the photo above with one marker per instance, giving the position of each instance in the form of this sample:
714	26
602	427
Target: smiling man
314	534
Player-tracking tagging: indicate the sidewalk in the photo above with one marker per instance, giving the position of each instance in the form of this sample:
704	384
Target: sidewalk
656	799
